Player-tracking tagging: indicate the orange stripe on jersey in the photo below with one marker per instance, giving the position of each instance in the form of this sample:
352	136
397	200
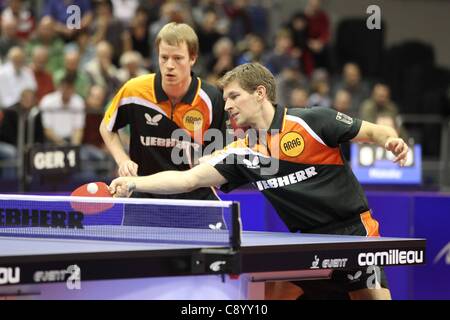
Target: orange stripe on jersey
296	144
371	225
138	91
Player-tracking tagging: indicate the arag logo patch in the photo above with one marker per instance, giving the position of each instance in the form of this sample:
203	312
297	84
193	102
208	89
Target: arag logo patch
292	144
193	120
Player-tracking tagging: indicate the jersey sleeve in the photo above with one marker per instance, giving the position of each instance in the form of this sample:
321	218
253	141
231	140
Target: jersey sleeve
116	115
218	116
226	163
333	127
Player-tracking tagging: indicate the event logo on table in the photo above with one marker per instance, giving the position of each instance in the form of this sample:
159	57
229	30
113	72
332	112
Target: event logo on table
328	263
9	275
217	266
71	275
391	257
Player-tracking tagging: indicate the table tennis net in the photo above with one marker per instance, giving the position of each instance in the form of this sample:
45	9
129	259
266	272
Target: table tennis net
130	220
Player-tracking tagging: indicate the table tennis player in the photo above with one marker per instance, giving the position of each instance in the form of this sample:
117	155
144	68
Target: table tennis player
313	190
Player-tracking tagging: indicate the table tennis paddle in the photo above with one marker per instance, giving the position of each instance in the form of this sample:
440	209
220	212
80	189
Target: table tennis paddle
93	189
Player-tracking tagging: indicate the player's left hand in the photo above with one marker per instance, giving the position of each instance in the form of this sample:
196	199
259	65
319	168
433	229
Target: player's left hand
399	148
122	187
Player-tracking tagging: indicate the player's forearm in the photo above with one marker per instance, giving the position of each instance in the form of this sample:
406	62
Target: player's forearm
114	145
167	182
373	133
382	134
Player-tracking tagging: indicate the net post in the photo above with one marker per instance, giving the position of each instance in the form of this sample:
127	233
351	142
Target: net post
236	226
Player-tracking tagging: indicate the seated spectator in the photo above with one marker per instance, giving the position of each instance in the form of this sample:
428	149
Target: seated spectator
299	98
72	68
63	114
170	11
57	11
106	27
131	66
93	151
95	104
342	101
319	34
43	78
387	119
47	37
320	88
224	59
298	25
283	55
18	10
240	21
208	34
136	38
288	80
125	11
101	71
14	131
84	46
352	82
380	102
15	77
8	38
255	50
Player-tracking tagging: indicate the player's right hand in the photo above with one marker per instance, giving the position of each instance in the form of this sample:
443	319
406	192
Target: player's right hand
122	187
128	168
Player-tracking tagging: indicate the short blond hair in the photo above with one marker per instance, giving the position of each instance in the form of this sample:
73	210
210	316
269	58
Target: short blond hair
250	76
175	34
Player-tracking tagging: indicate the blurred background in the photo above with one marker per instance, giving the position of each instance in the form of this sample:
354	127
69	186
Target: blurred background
389	64
382	61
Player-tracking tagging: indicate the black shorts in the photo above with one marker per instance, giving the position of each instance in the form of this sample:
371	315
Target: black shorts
344	281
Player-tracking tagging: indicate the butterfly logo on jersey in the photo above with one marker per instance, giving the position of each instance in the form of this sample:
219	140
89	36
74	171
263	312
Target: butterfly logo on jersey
252	164
153	121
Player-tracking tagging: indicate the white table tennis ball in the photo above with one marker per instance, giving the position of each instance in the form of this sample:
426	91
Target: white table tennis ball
92	188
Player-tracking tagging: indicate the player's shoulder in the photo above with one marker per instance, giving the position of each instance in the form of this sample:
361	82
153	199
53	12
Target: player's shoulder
144	80
140	87
210	89
310	113
315	118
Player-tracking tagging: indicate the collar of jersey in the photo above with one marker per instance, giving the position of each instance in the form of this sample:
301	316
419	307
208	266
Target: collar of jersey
278	119
188	97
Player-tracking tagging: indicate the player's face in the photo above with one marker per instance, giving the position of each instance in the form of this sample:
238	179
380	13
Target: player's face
174	63
240	105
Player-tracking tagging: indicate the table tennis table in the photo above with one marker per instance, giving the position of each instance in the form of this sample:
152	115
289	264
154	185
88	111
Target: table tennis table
49	251
132	270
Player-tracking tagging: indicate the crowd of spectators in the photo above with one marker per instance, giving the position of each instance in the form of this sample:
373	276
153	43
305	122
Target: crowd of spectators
71	74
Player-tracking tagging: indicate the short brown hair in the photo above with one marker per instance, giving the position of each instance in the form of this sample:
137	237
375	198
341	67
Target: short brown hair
250	76
175	34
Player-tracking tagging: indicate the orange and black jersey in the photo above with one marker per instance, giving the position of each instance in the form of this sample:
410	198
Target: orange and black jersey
153	120
299	167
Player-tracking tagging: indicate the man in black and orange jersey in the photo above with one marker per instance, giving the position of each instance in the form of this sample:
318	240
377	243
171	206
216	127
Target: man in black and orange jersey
313	188
161	107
